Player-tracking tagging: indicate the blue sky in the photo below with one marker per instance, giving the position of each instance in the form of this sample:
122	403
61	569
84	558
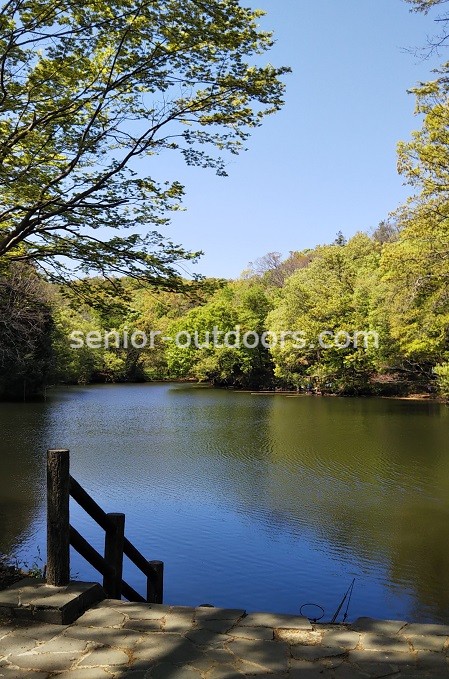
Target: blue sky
327	161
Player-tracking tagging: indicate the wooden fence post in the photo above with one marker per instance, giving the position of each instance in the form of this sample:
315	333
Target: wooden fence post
58	522
113	554
155	585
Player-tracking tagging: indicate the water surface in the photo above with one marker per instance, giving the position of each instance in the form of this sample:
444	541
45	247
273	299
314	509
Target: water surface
262	502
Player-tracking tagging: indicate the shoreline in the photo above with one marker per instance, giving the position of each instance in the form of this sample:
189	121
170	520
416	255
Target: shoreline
117	638
288	393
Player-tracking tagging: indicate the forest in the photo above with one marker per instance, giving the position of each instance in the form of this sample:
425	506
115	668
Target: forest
391	280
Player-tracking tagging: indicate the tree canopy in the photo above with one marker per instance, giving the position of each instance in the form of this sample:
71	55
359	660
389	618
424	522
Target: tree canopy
442	20
87	89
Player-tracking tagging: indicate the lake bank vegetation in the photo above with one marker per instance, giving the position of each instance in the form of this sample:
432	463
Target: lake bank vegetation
59	275
386	282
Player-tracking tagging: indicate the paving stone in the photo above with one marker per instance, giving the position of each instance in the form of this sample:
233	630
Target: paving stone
52	615
105	636
201	614
203	663
271	655
23	591
332	663
101	617
51	662
219	626
15	643
171	671
142	667
114	603
134	674
371	661
381	671
144	611
316	652
249	668
186	653
427	643
418	628
32	598
344	638
224	672
346	671
144	625
261	633
302	669
275	620
39	630
58	597
122	640
105	656
379	626
396	657
203	637
120	604
156	645
178	622
7	629
160	647
292	636
383	642
87	673
11	673
63	644
212	657
432	661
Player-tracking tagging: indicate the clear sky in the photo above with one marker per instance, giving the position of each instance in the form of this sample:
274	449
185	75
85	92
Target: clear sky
327	161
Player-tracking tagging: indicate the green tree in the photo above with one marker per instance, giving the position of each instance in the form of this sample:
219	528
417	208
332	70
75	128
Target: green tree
416	264
424	160
74	365
26	356
331	294
154	311
416	270
425	5
89	88
434	43
114	360
272	270
239	308
442	373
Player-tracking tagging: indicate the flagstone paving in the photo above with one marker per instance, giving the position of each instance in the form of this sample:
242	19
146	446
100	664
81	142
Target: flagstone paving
140	641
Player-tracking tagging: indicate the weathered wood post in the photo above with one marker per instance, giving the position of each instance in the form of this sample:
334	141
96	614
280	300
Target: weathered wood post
58	522
155	585
113	554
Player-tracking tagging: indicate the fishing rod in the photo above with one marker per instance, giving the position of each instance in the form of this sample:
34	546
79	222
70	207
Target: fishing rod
337	612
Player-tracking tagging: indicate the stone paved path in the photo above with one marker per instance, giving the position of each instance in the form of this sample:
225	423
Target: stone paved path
139	641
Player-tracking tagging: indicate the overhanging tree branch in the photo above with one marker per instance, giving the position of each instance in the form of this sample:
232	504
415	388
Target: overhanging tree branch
87	88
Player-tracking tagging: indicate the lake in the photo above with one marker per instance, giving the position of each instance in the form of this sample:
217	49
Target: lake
264	502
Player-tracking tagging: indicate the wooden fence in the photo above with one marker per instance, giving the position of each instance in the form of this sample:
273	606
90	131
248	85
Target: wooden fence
61	535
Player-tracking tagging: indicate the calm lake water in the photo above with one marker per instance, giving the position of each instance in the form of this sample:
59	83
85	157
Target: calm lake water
254	501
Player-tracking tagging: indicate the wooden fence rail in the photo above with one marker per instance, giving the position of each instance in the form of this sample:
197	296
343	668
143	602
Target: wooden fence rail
60	535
